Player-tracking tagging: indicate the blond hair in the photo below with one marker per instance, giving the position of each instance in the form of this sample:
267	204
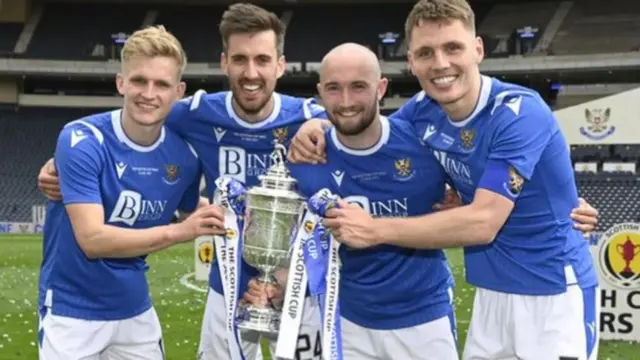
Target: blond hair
439	10
154	41
246	18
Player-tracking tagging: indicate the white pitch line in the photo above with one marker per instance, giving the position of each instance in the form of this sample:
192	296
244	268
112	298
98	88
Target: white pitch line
184	280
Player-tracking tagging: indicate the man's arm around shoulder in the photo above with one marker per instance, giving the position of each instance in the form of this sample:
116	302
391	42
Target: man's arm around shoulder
474	224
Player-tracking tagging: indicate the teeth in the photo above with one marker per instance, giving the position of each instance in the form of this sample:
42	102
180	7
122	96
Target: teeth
251	87
444	80
146	106
348	113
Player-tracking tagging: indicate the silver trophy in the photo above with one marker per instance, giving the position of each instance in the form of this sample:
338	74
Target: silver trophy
272	213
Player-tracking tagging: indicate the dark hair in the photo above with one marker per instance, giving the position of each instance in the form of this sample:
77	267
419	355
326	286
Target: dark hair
246	18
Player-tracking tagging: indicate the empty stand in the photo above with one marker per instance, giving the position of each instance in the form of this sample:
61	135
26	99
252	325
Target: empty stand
314	30
197	29
590	152
616	196
504	18
9	33
71	31
27	139
596	26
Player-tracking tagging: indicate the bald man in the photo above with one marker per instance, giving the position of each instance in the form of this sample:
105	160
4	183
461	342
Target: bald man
395	303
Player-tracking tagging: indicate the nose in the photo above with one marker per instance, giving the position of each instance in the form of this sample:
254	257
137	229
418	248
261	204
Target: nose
149	91
440	61
251	71
346	99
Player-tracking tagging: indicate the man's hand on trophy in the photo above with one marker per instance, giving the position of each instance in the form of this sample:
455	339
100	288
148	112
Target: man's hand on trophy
263	295
206	220
307	146
48	181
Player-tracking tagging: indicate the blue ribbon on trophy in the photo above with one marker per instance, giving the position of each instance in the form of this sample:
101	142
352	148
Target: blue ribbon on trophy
230	196
323	269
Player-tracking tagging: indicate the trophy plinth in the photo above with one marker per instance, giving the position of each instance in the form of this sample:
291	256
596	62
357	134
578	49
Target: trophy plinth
272	214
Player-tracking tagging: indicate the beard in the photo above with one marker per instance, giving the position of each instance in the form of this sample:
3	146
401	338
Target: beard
366	119
250	107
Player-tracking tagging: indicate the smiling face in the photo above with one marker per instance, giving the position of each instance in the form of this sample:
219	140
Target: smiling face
351	88
253	68
445	55
253	42
150	86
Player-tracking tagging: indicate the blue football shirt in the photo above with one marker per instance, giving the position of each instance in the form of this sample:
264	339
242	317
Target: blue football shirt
512	145
138	186
229	146
386	287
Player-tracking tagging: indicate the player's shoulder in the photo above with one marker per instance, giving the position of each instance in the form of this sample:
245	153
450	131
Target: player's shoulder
510	102
201	105
398	126
178	145
417	106
201	98
88	129
298	109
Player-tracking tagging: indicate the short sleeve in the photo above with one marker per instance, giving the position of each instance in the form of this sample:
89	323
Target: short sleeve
522	132
78	160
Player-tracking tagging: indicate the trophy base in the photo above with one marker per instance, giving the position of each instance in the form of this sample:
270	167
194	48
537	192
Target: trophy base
265	320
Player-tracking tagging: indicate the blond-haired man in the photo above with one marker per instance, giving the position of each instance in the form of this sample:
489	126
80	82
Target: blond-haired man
122	176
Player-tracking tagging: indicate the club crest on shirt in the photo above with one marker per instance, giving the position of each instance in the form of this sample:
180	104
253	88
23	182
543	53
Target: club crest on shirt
515	183
281	134
404	169
171	174
466	137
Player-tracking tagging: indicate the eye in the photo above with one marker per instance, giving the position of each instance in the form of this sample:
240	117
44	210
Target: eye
453	48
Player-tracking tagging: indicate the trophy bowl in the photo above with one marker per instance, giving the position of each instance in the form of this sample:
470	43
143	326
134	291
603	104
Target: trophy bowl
273	209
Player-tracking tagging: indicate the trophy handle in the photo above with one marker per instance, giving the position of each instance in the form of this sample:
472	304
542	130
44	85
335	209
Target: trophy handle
636	247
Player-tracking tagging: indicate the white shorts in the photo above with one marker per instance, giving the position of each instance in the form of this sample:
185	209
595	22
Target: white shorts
510	326
65	338
435	340
213	336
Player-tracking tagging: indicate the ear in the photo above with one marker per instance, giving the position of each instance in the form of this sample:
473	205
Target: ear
479	49
282	66
182	87
382	88
120	83
319	89
224	65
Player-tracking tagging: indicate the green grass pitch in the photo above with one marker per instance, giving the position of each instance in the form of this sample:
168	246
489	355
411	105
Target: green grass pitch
179	307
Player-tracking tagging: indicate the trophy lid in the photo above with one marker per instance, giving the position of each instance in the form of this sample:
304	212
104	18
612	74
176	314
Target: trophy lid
277	181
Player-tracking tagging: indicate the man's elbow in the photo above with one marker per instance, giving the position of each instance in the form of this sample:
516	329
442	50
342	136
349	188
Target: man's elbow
487	227
89	244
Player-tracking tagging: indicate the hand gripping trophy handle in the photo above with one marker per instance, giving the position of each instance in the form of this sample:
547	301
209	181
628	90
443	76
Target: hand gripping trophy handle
272	211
